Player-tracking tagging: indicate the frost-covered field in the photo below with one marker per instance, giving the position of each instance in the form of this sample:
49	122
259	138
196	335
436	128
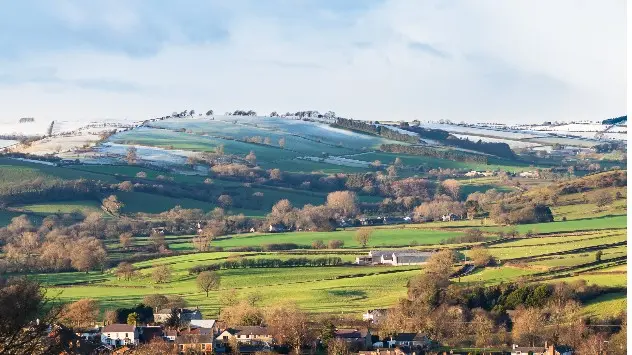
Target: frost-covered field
152	154
512	143
496	133
6	143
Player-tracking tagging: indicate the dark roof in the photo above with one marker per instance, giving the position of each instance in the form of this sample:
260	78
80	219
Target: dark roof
194	339
526	349
410	337
118	328
249	330
351	333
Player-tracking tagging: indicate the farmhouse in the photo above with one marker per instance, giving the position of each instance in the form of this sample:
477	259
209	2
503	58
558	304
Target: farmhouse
277	228
394	257
357	337
185	315
246	334
413	340
450	217
374	315
195	343
119	334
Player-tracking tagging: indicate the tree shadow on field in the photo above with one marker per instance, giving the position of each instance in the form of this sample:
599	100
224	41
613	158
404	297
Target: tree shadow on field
354	295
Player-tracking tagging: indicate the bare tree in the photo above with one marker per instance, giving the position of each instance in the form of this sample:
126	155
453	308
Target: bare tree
343	202
87	253
251	158
155	301
289	325
126	240
161	274
480	256
363	235
282	142
81	314
132	155
453	188
125	270
207	281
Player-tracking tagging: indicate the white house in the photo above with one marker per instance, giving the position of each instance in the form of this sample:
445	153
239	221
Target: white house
119	334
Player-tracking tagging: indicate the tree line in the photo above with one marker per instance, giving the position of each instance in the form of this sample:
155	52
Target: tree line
260	263
382	131
453	155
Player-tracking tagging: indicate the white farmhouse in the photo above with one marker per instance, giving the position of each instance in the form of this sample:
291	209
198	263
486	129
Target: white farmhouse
119	334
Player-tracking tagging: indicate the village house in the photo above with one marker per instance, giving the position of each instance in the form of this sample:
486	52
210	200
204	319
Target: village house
450	217
195	343
185	315
277	228
246	335
205	326
374	315
394	257
119	334
541	350
411	340
357	337
533	174
396	351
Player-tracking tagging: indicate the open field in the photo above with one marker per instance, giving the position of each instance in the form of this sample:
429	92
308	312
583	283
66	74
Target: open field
380	237
608	305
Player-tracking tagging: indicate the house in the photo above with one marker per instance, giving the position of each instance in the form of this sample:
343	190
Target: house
171	334
185	315
396	351
371	221
395	257
541	350
450	217
246	335
413	340
358	337
119	334
206	326
374	315
472	173
277	228
533	174
194	343
416	258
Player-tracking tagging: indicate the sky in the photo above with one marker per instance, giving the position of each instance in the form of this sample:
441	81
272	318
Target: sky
463	60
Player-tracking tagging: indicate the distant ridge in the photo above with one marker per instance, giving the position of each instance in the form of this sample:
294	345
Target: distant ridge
615	120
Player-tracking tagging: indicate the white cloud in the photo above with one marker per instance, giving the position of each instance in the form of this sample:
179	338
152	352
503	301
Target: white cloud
463	60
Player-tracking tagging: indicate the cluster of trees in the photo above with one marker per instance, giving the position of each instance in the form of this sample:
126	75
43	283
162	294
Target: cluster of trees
51	247
454	155
375	129
615	120
321	218
40	189
503	213
498	149
477	316
242	113
249	263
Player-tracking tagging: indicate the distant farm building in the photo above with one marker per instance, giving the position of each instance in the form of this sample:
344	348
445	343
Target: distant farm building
394	257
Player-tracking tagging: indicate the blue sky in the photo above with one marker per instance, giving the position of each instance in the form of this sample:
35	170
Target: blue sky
468	60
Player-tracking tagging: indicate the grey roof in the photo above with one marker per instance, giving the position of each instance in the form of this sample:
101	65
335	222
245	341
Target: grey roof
408	259
410	337
351	333
203	323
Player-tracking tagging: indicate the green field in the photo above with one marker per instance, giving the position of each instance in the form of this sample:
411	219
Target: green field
381	237
83	206
608	305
